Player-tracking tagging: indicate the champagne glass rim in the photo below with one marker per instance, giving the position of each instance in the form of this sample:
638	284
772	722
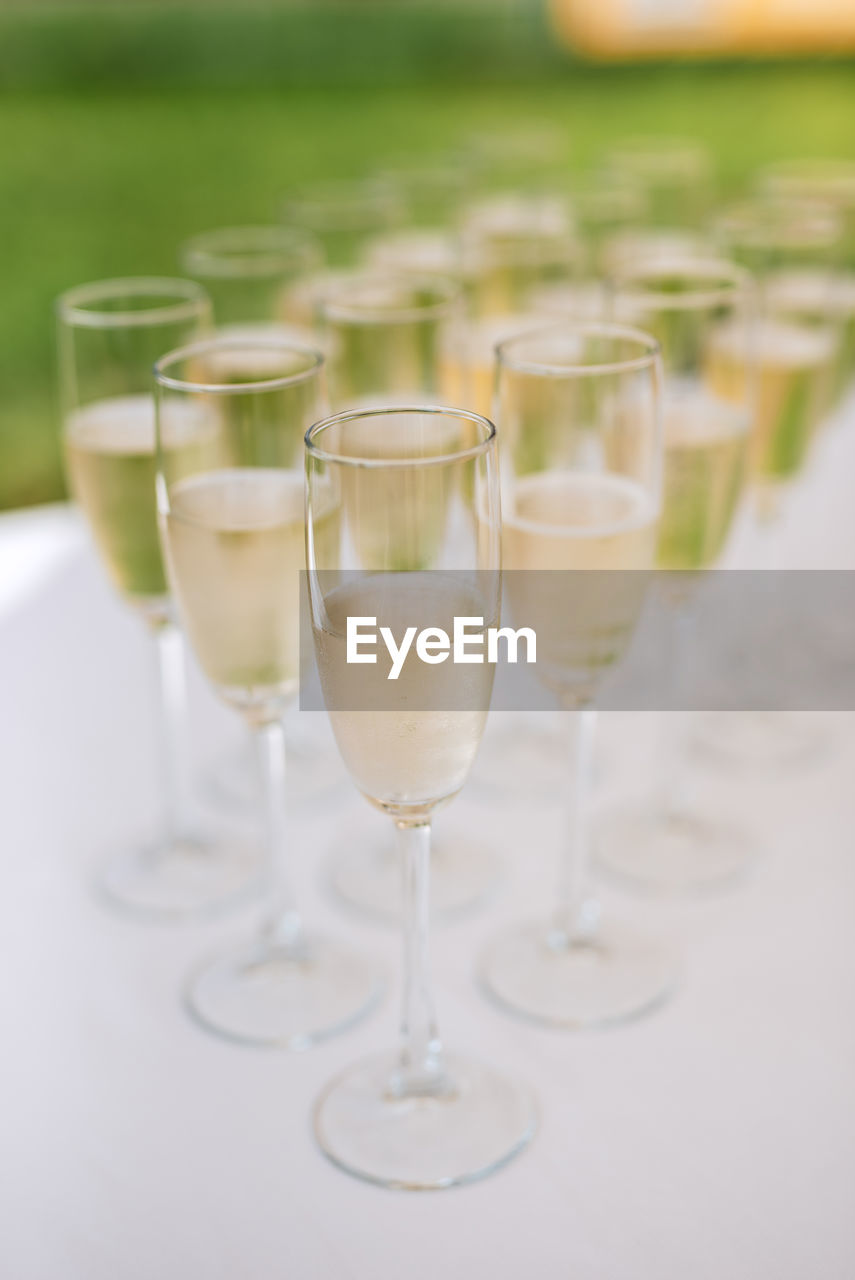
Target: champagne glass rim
776	222
208	346
372	463
713	282
341	305
648	356
173	299
836	171
257	250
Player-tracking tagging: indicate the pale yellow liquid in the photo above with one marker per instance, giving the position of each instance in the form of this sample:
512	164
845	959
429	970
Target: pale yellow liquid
830	297
705	447
110	449
512	246
577	521
414	750
262	428
793	368
235	546
468	368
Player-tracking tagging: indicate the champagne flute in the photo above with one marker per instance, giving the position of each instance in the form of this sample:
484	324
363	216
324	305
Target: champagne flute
344	214
513	243
793	249
387	334
233	537
668	844
675	174
430	195
827	180
605	205
515	157
109	335
251	274
578	410
423	478
248	270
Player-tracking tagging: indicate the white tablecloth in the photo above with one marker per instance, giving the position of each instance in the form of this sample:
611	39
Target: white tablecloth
713	1139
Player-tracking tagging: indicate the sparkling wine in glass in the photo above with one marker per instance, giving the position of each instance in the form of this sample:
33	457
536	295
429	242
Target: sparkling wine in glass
671	843
513	243
234	542
420	1118
793	247
385	333
388	334
109	335
251	274
827	180
247	271
344	215
579	409
675	175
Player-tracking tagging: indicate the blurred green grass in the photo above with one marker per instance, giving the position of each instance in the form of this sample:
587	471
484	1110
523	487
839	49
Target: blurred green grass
108	180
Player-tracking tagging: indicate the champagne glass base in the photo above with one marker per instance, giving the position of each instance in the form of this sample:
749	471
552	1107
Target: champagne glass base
423	1142
762	740
261	994
672	853
368	877
609	977
185	878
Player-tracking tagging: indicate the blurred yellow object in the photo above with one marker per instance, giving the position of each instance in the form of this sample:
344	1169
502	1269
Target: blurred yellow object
624	28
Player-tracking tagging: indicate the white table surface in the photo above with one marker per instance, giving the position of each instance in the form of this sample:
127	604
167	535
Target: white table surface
712	1139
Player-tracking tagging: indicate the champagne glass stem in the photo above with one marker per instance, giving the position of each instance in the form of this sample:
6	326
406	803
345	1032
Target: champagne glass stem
285	928
676	796
577	914
420	1065
168	651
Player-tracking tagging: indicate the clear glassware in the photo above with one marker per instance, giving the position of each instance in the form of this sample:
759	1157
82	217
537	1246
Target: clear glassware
793	248
430	194
512	244
579	412
670	843
109	335
418	492
247	271
252	274
827	180
522	156
233	532
605	205
344	214
469	359
387	334
675	174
